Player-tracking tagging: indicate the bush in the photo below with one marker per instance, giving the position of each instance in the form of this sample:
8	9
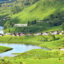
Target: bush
51	37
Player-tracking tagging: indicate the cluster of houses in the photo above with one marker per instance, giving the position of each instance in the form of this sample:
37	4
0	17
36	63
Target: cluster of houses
15	34
35	34
52	33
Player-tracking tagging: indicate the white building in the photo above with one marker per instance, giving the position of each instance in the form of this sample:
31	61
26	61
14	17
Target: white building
62	49
60	33
54	33
36	34
20	25
45	33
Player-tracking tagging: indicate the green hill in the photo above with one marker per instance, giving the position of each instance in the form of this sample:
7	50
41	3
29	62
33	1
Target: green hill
40	10
51	12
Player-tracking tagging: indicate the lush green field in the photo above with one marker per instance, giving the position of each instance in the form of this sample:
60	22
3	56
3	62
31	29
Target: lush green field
36	56
49	41
33	61
4	49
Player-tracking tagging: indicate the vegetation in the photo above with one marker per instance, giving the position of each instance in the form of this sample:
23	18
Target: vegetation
36	56
49	41
29	11
41	16
4	49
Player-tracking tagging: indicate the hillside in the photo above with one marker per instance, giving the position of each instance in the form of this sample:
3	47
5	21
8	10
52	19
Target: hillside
40	10
51	12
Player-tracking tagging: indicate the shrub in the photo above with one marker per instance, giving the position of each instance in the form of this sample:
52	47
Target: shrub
51	37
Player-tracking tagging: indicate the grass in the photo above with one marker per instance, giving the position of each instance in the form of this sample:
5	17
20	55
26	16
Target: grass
36	56
43	41
43	61
4	49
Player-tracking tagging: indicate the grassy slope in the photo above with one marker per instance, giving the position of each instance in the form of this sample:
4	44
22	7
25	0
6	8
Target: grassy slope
43	41
39	11
37	56
4	49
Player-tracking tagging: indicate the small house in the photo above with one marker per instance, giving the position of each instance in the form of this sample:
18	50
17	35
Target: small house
54	33
22	34
61	32
45	33
18	34
20	25
29	34
8	34
13	34
61	49
36	34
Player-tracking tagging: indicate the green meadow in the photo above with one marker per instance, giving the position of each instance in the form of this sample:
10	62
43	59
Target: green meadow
49	41
36	56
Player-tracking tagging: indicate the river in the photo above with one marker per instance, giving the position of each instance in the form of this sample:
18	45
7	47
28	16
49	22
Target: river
17	48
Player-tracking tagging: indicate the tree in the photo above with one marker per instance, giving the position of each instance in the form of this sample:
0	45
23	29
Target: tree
62	26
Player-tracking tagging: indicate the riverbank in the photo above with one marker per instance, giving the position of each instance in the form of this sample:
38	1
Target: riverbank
36	56
48	41
4	49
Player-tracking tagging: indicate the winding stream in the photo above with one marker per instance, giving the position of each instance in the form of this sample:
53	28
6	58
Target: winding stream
18	48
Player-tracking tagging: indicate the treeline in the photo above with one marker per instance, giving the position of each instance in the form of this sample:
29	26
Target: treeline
55	19
35	26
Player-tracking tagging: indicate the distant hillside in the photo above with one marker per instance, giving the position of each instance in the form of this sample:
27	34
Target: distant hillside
41	10
51	12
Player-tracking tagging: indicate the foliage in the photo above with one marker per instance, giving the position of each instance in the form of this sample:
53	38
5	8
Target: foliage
4	49
51	37
43	41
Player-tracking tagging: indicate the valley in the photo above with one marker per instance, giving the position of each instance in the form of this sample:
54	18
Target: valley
31	32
